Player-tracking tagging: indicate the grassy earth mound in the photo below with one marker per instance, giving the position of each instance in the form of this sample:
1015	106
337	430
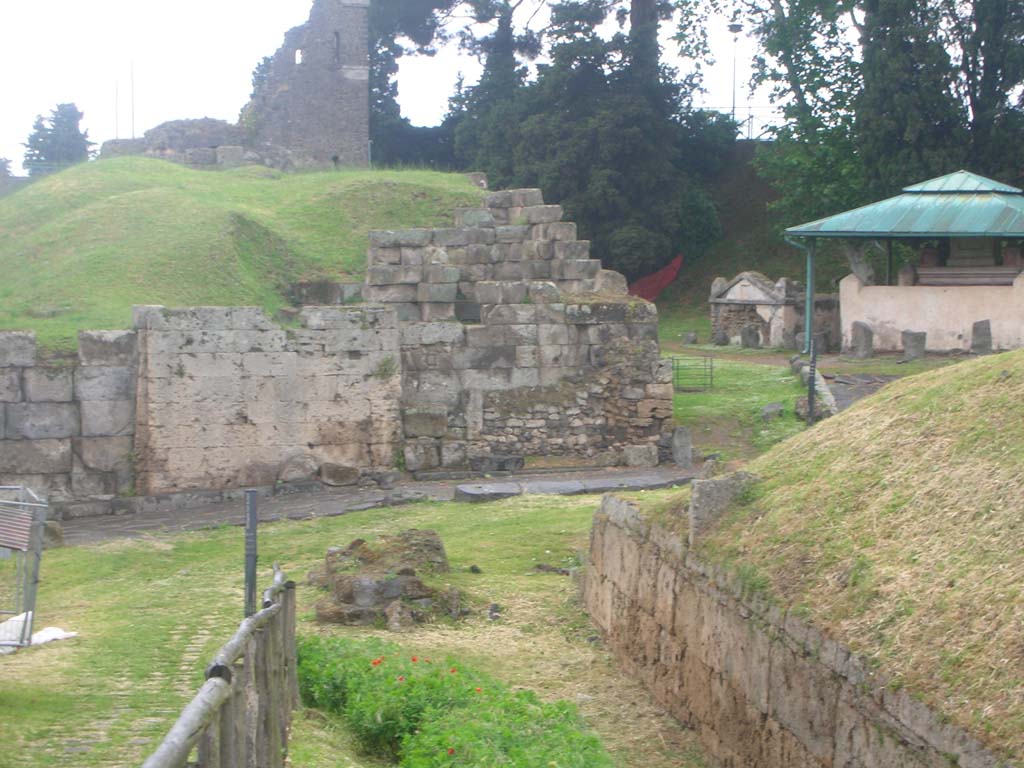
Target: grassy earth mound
898	527
82	246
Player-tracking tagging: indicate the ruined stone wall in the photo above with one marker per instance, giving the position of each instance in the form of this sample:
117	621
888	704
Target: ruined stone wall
516	343
315	99
761	687
227	398
66	426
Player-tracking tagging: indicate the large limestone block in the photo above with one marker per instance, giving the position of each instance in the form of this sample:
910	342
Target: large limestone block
862	340
400	238
421	454
17	348
48	385
35	457
41	421
107	418
10	385
640	455
105	383
484	358
384	274
425	422
390	294
114	348
541	214
417	334
105	454
914	343
473	217
437	292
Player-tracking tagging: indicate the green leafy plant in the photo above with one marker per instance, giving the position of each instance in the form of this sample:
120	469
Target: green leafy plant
435	712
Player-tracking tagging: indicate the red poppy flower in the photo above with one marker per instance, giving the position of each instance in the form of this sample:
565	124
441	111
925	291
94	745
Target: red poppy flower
377	662
453	670
415	658
401	678
451	751
478	690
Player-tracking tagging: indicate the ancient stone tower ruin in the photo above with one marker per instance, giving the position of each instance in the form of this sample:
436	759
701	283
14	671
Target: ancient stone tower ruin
314	100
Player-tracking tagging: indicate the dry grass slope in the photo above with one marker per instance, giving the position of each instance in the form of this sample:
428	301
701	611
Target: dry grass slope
899	527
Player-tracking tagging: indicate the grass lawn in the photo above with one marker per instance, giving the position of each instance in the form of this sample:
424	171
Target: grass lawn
81	247
151	612
726	419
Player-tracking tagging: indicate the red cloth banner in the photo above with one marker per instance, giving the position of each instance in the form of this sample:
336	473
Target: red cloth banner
651	286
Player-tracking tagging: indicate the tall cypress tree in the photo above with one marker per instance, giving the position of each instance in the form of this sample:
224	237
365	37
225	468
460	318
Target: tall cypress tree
57	142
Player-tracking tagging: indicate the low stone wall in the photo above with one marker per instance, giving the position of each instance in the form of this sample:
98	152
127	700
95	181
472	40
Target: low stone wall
227	398
66	426
946	313
762	688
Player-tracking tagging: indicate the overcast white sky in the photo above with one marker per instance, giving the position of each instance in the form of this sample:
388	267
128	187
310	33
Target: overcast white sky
194	58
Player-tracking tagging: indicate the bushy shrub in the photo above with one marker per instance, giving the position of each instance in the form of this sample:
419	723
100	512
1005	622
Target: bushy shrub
431	712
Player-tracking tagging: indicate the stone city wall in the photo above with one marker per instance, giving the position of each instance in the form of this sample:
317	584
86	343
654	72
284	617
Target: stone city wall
228	398
66	426
762	688
516	343
479	346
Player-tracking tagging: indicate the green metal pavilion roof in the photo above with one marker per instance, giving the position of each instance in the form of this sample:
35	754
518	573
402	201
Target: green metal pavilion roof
960	204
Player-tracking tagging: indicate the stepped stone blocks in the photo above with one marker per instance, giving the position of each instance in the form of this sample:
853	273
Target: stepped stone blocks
67	425
227	398
515	342
758	684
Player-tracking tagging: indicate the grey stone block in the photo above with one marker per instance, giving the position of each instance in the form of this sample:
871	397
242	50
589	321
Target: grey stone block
720	338
35	457
487	292
338	474
421	453
437	292
576	269
17	348
509	271
480	235
981	337
229	156
48	385
383	256
41	421
521	334
394	275
10	385
682	447
390	294
640	455
425	422
416	334
480	492
485	336
541	214
536	270
486	358
106	347
400	238
512	233
443	273
750	337
914	343
105	418
772	411
413	257
611	282
491	380
437	311
105	454
562	231
862	344
104	383
509	314
446	238
544	292
497	463
453	454
201	156
710	498
573	250
473	217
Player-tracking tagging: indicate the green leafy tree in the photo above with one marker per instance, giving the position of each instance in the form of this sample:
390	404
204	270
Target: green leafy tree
57	142
5	168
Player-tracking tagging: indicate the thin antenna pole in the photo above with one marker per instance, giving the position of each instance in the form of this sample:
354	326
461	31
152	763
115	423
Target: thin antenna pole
133	99
117	109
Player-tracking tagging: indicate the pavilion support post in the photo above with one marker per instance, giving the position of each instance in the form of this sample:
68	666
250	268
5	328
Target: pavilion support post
809	298
888	263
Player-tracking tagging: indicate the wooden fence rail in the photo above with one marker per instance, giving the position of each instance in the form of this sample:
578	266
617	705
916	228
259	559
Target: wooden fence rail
241	715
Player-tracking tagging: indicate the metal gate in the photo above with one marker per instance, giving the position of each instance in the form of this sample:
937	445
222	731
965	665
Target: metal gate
22	519
693	374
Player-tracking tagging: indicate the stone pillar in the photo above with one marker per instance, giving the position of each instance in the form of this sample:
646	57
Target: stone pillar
861	340
914	344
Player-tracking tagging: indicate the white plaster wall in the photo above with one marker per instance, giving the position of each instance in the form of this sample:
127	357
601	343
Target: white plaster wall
945	313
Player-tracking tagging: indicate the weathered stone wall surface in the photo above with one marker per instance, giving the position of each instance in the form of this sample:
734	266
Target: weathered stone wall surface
227	398
315	99
761	687
66	426
516	343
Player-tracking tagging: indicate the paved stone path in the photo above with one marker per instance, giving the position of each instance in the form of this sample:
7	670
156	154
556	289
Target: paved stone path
338	501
